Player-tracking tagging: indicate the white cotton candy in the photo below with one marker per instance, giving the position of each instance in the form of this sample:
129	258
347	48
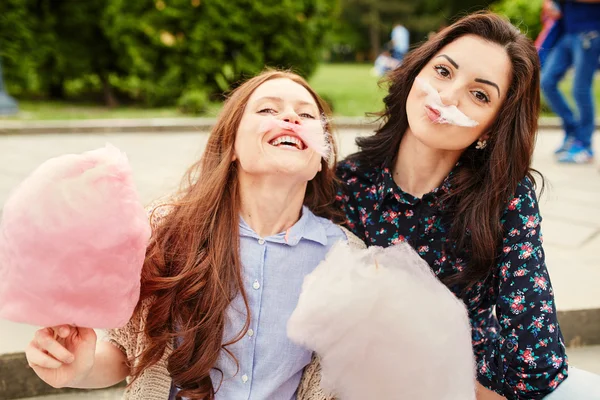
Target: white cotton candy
448	114
385	327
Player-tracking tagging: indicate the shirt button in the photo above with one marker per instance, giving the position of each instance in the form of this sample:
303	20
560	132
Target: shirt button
261	241
256	285
250	332
244	378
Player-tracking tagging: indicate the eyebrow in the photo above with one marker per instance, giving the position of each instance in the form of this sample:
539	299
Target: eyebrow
451	61
454	64
488	83
280	100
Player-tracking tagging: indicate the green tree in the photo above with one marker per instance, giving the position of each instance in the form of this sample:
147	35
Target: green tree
171	46
377	16
364	25
45	43
524	14
26	45
83	47
155	51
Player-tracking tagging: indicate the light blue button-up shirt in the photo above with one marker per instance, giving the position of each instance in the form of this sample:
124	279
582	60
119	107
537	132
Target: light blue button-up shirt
274	267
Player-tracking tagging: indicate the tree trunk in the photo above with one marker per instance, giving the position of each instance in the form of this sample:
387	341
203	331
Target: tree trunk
110	99
374	28
56	90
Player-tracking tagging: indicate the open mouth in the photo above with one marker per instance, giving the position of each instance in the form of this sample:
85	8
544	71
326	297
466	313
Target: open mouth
288	141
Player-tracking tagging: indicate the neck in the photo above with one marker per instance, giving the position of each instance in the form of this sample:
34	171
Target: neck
419	168
270	205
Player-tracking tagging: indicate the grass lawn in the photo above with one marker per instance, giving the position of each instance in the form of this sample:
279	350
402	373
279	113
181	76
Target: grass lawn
350	88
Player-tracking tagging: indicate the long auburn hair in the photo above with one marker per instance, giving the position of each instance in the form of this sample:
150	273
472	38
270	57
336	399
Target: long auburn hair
192	269
486	178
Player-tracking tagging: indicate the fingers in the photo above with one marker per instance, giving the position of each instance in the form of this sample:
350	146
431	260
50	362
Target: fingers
87	334
37	358
62	331
45	341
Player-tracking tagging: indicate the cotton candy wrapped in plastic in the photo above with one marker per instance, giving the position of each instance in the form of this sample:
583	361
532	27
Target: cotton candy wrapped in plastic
384	327
73	237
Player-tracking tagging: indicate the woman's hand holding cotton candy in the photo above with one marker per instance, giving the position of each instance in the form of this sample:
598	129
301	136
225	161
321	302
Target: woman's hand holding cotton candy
68	356
62	356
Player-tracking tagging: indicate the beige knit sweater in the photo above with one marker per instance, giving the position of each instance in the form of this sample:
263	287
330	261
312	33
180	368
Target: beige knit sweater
155	382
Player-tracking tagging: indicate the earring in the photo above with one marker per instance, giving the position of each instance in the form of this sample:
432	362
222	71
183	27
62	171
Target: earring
481	143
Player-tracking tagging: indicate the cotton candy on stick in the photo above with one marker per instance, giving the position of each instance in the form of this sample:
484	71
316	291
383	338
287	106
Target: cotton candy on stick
312	133
448	114
384	327
73	237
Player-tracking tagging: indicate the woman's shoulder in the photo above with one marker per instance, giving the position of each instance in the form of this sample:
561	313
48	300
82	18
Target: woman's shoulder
158	210
521	215
353	240
335	231
352	171
331	229
526	184
523	199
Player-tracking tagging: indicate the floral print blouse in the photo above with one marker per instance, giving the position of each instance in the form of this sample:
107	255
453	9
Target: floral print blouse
517	342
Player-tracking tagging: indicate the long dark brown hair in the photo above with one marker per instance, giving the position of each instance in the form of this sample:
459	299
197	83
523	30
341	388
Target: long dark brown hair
192	270
486	178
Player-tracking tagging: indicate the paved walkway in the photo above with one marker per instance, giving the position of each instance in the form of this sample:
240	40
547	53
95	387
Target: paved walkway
570	206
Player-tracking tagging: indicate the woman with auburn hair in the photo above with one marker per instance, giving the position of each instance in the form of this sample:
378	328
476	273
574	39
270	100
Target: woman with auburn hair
449	172
225	265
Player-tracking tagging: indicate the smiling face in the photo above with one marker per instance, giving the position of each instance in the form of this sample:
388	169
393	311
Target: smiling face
471	74
264	146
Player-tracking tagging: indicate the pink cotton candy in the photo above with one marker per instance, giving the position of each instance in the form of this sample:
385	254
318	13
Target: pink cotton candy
73	238
311	133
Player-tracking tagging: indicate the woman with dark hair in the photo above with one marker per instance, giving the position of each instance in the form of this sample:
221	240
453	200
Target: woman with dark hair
225	264
449	172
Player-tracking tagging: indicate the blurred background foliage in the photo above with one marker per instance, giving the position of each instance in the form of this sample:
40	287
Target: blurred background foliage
186	53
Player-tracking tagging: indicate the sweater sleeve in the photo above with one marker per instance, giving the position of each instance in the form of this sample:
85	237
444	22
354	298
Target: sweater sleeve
310	385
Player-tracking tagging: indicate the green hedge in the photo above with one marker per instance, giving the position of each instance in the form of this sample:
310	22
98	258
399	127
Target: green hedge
154	51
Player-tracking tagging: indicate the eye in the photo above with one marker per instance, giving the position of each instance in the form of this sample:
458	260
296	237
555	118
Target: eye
307	115
267	111
481	96
443	71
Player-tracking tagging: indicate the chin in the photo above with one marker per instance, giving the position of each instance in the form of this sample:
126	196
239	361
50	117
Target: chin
426	132
436	136
295	171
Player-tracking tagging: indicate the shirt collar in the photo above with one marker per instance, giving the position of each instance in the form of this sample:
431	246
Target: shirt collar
387	187
307	227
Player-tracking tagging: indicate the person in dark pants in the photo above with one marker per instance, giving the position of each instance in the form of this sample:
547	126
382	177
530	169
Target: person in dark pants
577	47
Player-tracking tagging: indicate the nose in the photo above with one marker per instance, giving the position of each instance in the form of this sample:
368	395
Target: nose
449	96
291	117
